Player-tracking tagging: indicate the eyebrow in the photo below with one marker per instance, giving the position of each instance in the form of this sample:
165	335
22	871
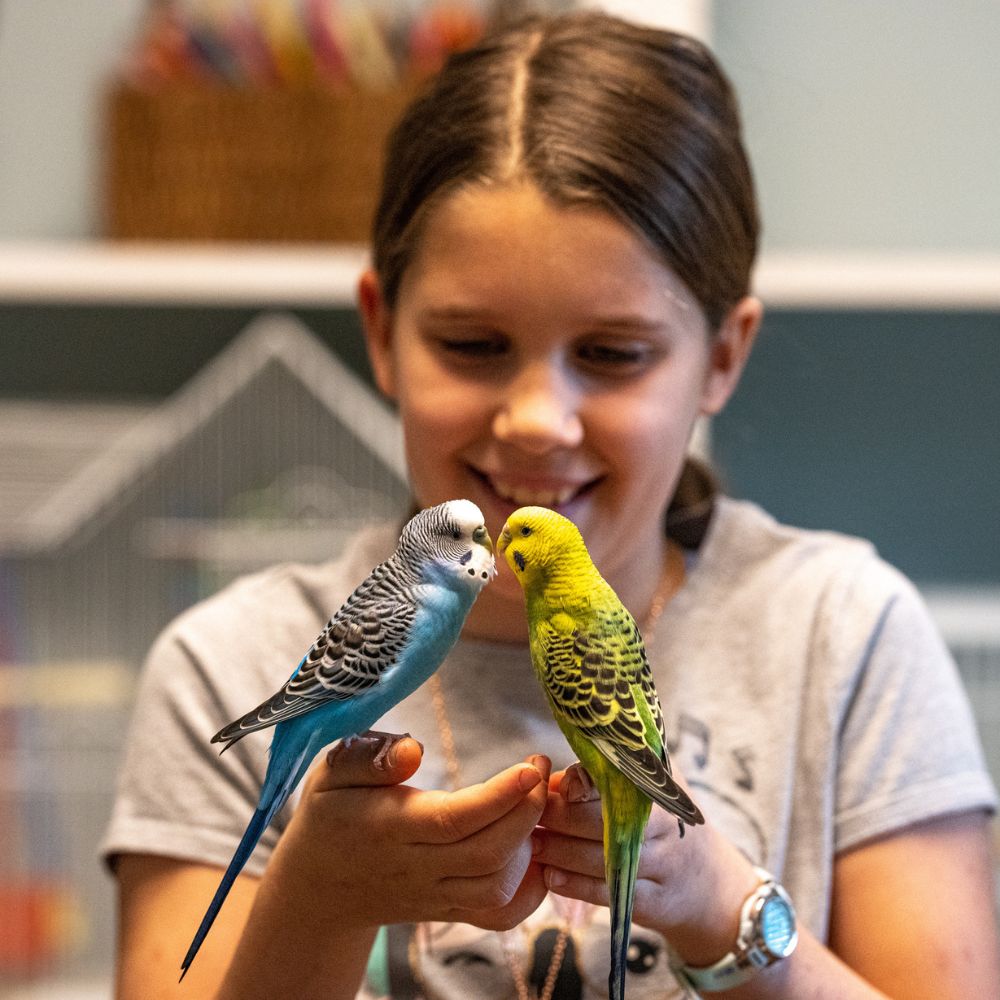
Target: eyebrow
453	313
627	322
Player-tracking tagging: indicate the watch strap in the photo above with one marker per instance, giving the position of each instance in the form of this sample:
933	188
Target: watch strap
747	957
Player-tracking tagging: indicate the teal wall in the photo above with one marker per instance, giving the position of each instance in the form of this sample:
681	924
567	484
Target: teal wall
880	424
69	351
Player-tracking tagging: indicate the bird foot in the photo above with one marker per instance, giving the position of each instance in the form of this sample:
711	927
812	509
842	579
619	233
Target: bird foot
577	785
387	741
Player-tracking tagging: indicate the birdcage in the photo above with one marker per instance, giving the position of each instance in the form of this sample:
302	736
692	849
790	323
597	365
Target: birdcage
111	524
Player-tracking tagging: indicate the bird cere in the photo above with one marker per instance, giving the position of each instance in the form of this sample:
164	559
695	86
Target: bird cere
590	659
389	636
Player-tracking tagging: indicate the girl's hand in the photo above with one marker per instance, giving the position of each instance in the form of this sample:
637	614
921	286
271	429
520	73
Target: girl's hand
378	851
689	890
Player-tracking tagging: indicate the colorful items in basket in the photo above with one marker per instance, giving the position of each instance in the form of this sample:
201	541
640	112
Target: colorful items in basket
255	42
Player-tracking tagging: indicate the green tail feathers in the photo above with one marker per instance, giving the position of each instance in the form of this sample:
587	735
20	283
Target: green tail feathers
621	871
625	810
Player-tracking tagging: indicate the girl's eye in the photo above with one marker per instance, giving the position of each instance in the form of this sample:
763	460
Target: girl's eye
472	348
615	358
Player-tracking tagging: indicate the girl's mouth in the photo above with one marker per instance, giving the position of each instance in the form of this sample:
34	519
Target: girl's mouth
518	494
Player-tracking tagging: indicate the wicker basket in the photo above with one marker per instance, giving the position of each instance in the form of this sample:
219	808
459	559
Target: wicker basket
227	163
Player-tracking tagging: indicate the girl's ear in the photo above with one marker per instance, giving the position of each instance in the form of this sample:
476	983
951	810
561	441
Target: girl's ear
729	352
376	320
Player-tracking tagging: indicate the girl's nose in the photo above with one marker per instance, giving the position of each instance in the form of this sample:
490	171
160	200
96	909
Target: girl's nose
539	412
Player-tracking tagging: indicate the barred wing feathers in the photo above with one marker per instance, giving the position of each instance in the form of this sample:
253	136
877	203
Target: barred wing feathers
360	644
598	681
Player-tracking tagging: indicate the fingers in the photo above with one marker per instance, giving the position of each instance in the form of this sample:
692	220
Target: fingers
516	794
490	869
569	842
369	761
405	854
586	857
568	846
576	886
579	819
542	763
492	890
526	899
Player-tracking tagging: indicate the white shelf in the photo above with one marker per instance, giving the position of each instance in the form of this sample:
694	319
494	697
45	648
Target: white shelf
880	281
166	273
325	276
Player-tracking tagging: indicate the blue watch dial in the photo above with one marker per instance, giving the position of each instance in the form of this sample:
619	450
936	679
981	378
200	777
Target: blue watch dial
777	925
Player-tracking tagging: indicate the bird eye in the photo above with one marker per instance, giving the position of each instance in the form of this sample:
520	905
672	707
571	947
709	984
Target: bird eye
525	531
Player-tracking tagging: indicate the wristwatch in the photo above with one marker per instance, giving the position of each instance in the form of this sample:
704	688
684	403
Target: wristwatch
767	934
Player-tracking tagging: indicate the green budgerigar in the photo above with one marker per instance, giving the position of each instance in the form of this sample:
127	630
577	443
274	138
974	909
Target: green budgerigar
589	656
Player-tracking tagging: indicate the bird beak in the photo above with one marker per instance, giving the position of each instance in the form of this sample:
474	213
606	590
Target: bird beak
503	541
482	537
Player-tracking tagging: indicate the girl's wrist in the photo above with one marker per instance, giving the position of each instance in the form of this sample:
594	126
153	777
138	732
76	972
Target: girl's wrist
704	930
293	944
311	889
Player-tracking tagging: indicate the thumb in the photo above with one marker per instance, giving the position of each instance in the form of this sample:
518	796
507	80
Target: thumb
371	759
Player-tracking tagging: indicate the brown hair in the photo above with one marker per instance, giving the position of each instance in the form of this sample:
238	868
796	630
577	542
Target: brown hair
591	109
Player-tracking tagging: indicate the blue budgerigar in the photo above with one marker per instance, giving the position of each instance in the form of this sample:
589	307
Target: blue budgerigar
390	635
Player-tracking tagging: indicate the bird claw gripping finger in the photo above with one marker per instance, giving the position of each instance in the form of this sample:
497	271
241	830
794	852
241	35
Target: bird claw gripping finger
578	785
388	741
384	741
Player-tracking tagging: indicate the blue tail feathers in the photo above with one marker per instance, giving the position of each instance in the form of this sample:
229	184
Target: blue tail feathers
256	827
259	822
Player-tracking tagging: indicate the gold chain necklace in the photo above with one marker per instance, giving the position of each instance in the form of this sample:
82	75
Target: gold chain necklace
668	584
447	739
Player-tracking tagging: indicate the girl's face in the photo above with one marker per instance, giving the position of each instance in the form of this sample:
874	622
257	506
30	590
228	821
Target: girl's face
544	355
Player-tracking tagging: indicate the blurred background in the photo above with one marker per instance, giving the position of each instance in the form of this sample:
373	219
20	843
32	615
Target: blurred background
184	194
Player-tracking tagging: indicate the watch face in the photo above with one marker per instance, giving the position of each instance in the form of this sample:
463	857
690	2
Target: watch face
777	926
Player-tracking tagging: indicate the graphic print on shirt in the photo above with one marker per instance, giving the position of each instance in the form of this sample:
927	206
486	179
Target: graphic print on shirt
444	961
724	782
458	962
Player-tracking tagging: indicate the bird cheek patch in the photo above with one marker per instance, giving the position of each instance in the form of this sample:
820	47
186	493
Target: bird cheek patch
519	559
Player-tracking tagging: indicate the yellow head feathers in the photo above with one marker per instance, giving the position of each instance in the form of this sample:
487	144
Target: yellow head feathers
535	541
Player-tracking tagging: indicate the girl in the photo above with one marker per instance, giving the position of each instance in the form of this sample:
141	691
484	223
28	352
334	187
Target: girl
559	290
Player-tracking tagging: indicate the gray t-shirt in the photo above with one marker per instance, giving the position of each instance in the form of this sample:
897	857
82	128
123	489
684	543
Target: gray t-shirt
808	699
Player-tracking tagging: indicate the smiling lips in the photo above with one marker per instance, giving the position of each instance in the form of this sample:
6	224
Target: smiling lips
523	495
